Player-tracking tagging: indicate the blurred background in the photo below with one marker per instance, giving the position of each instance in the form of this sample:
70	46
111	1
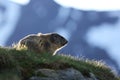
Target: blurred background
92	27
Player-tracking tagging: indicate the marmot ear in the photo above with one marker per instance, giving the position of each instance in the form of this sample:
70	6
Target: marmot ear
39	34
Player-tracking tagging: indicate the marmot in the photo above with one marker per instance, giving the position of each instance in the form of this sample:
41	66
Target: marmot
42	43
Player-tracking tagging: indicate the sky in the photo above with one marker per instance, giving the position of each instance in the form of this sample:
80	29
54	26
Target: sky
96	5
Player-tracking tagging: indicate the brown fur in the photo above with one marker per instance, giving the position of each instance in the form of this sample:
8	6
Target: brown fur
42	43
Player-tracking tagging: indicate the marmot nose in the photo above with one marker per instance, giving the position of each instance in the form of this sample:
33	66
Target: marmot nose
65	41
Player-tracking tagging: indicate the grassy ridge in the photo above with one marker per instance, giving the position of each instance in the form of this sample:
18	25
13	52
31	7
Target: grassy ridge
17	65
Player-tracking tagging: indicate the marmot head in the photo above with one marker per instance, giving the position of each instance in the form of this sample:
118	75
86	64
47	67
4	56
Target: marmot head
58	40
52	42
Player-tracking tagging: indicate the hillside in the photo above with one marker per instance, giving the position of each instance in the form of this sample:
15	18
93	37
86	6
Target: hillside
26	65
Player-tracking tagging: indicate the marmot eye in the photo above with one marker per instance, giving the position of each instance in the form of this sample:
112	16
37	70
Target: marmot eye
53	37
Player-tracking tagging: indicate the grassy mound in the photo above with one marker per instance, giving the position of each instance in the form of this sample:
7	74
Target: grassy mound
17	65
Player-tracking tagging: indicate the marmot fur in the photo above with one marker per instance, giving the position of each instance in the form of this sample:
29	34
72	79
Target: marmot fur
42	43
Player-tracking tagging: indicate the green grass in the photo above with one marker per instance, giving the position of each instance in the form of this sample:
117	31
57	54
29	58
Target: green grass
17	65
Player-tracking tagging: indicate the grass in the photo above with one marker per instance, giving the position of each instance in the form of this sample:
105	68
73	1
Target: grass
18	65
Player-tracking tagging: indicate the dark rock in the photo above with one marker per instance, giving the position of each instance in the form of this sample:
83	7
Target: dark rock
66	74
